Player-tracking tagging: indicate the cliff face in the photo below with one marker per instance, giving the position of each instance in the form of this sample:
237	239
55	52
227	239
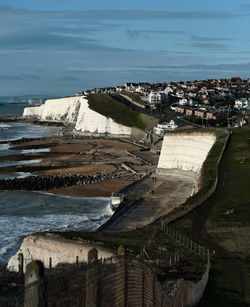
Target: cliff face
75	110
62	109
185	151
89	120
37	247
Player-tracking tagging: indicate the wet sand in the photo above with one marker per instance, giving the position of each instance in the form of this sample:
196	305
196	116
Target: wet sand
81	156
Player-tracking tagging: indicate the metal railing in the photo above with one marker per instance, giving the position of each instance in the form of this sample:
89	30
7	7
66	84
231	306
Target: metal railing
193	246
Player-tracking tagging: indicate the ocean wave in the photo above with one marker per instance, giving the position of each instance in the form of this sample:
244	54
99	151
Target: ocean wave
74	197
14	163
24	213
24	174
4	126
26	151
16	175
3	250
4	146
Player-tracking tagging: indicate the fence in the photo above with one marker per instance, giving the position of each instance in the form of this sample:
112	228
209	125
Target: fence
193	246
118	281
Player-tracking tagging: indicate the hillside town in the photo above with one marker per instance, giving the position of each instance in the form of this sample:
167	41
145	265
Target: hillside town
212	102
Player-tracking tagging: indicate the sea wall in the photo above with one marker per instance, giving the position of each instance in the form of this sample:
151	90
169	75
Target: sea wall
76	111
208	180
44	247
185	151
114	282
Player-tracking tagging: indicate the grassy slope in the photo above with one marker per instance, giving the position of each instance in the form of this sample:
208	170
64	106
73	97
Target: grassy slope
230	277
109	107
134	96
229	234
150	236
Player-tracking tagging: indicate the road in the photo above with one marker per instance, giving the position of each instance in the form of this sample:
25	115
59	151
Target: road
148	112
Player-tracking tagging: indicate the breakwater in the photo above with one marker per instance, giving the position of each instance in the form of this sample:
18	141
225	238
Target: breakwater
44	183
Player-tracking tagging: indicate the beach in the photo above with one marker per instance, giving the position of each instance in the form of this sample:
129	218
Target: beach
54	156
39	151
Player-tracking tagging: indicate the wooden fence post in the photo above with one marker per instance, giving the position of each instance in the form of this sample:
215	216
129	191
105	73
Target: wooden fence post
35	286
20	265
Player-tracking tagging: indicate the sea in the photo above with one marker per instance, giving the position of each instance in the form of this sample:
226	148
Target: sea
26	212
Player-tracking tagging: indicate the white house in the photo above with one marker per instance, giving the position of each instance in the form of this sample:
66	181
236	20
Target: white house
120	88
168	90
242	103
183	102
180	93
131	87
162	129
155	97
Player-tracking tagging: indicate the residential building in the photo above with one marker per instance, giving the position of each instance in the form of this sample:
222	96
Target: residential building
161	129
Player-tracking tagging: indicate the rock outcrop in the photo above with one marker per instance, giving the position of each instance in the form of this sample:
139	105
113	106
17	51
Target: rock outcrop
93	122
44	247
61	109
76	111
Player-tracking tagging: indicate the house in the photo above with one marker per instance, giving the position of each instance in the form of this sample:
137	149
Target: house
98	90
180	93
161	129
131	87
199	113
183	102
239	120
242	103
168	90
211	115
120	88
155	97
189	112
180	110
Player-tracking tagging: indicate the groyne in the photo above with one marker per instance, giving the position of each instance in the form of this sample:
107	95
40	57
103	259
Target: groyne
44	183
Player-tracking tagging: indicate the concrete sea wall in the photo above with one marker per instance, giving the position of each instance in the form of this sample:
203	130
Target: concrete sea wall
201	196
185	151
40	247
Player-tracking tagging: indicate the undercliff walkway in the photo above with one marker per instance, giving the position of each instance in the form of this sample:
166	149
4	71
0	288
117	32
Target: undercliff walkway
155	196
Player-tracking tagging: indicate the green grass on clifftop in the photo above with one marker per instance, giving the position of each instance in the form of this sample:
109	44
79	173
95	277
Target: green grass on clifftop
222	223
109	107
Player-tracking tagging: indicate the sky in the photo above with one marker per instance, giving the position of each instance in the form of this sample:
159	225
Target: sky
64	47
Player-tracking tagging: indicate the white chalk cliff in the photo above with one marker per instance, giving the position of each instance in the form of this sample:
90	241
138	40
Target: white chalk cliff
61	109
185	151
76	110
89	120
38	247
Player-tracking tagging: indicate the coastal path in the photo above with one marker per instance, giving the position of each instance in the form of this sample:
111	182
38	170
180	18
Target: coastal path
159	195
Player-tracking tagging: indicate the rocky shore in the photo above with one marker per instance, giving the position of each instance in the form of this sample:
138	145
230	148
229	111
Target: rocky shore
44	183
82	166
